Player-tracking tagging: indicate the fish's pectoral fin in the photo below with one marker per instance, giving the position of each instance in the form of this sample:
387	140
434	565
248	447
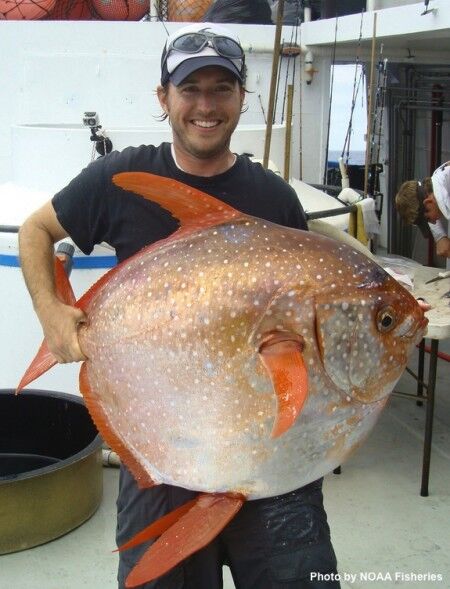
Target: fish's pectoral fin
44	359
109	436
282	355
190	533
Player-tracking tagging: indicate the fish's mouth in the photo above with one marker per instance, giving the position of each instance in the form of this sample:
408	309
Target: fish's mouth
412	328
277	337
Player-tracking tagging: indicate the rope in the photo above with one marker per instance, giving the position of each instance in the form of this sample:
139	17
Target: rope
354	96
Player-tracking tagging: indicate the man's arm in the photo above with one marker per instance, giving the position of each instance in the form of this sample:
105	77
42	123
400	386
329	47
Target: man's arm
443	247
59	321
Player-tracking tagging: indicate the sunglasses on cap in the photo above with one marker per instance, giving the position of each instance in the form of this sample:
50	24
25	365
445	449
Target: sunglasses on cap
196	42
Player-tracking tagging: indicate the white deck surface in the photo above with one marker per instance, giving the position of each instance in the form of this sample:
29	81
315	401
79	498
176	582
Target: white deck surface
379	522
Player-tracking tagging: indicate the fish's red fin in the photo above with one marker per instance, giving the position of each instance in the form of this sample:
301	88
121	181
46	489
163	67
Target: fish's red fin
44	359
194	530
143	479
158	527
63	286
193	208
282	356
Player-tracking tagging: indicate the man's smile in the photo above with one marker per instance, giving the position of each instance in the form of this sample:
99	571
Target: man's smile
205	124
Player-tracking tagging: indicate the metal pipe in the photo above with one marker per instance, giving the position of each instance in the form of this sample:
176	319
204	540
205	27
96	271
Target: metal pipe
395	54
331	212
429	418
369	108
273	82
9	228
424	107
288	136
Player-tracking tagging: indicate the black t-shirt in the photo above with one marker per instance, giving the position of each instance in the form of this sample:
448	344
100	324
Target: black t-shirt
92	209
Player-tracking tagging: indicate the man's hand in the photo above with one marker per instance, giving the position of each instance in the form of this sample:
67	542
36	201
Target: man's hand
60	323
424	305
443	247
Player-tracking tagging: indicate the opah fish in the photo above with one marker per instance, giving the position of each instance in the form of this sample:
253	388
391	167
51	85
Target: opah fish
237	357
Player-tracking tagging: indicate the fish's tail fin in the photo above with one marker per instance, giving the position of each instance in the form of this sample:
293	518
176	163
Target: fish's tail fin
44	359
183	532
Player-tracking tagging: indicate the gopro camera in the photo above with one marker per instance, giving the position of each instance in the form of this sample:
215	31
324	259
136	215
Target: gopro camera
91	119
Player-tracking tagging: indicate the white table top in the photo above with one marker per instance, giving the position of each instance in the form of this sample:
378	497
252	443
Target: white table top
439	314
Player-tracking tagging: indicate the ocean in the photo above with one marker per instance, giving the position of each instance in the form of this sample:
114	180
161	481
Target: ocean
356	158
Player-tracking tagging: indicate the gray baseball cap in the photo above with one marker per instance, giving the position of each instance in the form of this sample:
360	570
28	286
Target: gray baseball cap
201	45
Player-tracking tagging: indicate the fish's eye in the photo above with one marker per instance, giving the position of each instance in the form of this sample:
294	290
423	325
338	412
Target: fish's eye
385	319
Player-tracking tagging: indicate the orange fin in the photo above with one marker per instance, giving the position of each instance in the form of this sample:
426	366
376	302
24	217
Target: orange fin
158	527
44	359
193	208
63	286
194	530
282	356
143	479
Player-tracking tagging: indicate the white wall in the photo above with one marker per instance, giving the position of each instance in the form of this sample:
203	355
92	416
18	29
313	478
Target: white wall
52	72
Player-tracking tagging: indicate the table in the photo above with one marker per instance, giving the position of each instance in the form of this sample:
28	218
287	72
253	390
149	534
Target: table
438	329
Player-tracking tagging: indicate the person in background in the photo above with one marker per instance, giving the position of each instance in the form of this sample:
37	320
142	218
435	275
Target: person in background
255	12
273	543
426	203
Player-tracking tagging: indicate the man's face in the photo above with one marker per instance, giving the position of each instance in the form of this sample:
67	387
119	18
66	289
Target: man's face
432	211
203	111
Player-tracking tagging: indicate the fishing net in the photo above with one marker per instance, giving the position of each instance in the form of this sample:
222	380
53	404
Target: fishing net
71	10
25	9
174	10
121	9
99	10
187	10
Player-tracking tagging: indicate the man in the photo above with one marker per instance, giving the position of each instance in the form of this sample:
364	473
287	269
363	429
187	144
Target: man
271	543
426	203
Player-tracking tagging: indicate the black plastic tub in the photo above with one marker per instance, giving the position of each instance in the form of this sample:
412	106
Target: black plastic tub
50	467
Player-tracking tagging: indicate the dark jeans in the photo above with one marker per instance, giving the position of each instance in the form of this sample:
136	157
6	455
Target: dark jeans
272	543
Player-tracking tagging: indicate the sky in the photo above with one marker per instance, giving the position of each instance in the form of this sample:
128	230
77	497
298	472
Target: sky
341	109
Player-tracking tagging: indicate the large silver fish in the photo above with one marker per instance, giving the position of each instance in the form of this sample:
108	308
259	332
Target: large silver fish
237	357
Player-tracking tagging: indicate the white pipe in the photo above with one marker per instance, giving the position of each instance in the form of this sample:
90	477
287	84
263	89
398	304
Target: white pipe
110	458
370	5
345	182
154	9
396	54
309	67
307	14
